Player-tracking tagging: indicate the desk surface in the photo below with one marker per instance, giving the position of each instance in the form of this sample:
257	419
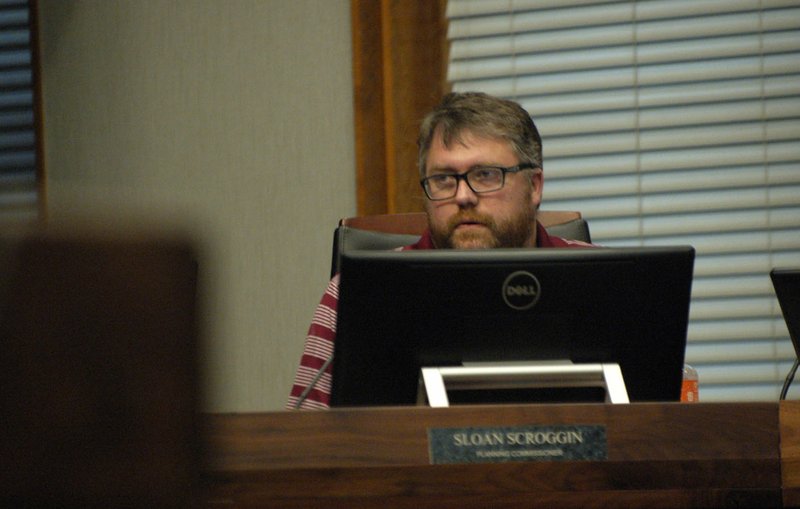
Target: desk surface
659	455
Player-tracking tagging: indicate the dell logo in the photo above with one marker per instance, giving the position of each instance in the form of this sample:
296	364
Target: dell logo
513	291
521	290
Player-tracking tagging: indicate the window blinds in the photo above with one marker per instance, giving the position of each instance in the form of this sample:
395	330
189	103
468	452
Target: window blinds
666	122
18	186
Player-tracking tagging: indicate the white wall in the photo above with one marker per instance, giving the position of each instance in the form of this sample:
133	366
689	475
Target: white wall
232	118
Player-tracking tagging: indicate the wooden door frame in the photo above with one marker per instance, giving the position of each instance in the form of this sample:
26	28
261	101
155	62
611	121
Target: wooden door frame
399	74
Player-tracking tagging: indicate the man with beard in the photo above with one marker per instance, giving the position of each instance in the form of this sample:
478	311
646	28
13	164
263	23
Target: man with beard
480	164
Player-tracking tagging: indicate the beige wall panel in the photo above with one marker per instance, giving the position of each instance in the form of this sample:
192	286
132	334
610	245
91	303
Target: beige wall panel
230	118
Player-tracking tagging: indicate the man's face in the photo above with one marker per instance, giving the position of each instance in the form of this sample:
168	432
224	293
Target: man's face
502	218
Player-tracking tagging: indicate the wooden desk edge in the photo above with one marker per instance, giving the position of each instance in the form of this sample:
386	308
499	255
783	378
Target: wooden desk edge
789	423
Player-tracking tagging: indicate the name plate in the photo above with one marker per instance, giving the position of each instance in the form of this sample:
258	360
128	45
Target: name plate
518	443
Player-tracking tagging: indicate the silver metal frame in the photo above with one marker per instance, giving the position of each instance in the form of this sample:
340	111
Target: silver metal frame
436	381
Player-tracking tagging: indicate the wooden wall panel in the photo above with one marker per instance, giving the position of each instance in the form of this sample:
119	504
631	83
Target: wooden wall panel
399	61
370	131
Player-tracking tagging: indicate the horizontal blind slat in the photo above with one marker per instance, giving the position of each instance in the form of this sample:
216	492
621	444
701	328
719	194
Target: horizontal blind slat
732	112
492	79
745	329
782	244
693	158
744	373
727	177
744	351
715	52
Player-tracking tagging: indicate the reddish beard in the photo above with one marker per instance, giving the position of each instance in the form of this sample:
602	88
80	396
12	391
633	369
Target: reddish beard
513	233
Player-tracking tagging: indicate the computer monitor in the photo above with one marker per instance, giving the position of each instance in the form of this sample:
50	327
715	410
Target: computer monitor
786	282
401	311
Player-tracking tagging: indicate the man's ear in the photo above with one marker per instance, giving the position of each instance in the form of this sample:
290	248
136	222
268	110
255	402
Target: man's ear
537	183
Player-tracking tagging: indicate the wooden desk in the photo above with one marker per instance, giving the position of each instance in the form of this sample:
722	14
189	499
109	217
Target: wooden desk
659	455
790	452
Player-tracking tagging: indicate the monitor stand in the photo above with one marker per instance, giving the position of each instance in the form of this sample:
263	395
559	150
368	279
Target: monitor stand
435	382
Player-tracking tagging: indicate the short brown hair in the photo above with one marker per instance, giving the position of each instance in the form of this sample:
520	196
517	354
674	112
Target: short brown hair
482	115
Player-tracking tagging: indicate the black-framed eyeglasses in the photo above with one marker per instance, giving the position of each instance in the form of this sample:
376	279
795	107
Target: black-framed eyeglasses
481	179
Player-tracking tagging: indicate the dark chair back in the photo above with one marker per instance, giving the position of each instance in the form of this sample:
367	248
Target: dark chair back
390	231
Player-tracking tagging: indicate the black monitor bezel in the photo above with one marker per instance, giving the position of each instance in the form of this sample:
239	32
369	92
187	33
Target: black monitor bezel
381	307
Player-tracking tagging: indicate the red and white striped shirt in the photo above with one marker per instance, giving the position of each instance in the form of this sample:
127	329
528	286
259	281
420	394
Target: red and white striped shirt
312	384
